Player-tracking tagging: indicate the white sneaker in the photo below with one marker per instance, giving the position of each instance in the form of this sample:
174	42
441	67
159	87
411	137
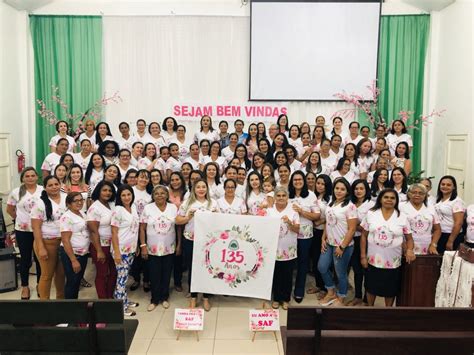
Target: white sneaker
132	304
129	313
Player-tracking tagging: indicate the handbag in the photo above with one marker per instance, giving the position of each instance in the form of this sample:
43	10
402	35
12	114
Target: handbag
466	253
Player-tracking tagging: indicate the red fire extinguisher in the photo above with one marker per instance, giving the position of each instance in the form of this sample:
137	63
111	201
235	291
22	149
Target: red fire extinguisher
20	160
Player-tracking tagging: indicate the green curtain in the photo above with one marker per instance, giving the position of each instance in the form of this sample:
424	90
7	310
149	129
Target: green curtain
401	67
67	55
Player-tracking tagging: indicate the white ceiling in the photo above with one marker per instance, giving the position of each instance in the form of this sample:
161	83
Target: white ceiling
28	5
429	5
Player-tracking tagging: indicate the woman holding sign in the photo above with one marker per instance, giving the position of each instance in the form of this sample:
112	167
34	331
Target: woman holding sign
199	199
287	248
158	244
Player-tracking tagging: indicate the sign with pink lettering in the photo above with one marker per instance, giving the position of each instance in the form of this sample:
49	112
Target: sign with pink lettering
264	320
188	319
234	254
265	112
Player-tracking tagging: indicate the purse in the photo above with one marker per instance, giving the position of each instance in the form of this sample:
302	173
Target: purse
466	253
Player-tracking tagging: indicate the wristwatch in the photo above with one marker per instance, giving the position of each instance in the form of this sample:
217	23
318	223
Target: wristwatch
341	247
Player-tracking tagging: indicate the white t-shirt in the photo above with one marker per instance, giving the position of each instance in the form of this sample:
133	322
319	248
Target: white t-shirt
123	172
143	163
50	162
210	136
296	165
288	240
322	205
168	137
365	163
215	191
239	190
23	207
308	204
127	224
362	212
160	164
393	140
350	177
71	222
336	222
445	210
227	154
144	139
254	203
329	163
354	141
421	224
220	161
158	142
96	177
193	162
173	164
236	207
126	143
142	198
85	136
470	224
97	212
54	141
49	229
160	229
197	206
183	148
385	238
83	162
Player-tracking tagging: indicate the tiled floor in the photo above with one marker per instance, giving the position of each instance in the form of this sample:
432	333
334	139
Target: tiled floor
225	327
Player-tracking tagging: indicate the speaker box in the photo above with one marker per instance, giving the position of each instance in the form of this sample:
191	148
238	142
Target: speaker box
8	273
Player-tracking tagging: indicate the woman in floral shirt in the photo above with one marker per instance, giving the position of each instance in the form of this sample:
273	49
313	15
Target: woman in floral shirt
286	249
124	222
158	243
384	231
19	205
45	216
74	244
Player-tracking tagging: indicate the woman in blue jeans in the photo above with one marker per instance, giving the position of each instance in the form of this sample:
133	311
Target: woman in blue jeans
304	202
337	244
74	244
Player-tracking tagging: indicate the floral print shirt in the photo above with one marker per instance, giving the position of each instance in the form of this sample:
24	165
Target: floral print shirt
160	229
23	207
288	240
71	222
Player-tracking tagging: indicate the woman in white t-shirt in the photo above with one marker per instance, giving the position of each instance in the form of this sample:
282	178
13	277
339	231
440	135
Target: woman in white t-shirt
229	203
305	203
470	226
206	131
398	182
337	244
158	244
286	249
19	205
255	197
398	134
62	128
125	223
199	200
343	170
423	219
169	128
211	174
126	140
84	156
430	200
95	171
384	231
45	215
75	243
361	198
53	159
149	160
450	208
89	133
182	142
98	218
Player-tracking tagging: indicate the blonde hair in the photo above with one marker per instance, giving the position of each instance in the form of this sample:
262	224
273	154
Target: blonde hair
192	196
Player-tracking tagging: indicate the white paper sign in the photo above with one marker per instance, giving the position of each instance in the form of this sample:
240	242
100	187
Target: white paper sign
234	254
264	320
188	319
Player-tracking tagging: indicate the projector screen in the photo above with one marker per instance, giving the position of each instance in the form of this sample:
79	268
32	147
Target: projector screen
311	50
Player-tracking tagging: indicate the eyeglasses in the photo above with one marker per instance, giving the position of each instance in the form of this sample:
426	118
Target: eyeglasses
78	200
230	187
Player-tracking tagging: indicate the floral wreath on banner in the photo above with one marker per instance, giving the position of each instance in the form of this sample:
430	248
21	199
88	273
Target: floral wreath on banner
233	279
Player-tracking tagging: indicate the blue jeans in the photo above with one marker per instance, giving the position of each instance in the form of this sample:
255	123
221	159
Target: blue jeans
302	263
327	259
73	280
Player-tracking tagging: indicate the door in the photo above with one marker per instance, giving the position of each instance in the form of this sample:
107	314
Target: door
456	158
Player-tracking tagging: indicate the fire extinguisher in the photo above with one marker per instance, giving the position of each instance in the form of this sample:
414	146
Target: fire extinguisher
20	160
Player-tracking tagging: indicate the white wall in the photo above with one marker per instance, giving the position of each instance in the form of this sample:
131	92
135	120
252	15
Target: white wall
450	88
14	84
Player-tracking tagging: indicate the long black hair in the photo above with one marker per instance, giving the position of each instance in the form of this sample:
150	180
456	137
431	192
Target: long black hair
327	187
248	163
175	124
22	189
98	139
291	189
378	202
96	193
118	198
374	186
407	150
346	184
367	196
356	153
319	167
45	198
90	167
287	120
391	183
454	194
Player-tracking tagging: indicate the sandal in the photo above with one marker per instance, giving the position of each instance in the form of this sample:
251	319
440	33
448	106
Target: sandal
84	283
313	290
27	296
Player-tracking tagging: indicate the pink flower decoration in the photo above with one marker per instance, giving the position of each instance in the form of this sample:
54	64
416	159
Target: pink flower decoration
224	235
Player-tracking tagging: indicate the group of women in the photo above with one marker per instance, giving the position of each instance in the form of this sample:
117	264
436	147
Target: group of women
129	203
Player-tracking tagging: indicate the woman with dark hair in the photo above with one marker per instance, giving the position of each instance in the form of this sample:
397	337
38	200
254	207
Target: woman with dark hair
304	202
361	198
379	183
364	154
294	138
223	134
62	128
95	171
169	128
158	244
126	140
319	135
67	159
124	224
306	148
398	133
314	164
264	147
323	192
229	152
124	159
398	182
74	182
102	134
258	161
110	151
112	174
280	142
141	133
450	208
154	136
255	198
173	164
402	157
242	155
215	157
353	136
337	242
137	153
74	244
284	172
229	203
60	172
149	160
343	170
211	174
130	177
19	206
199	199
45	215
99	216
261	130
280	159
328	160
252	140
183	142
291	155
53	159
426	182
282	123
337	128
206	131
162	162
384	229
365	131
268	171
351	153
194	158
305	128
286	249
84	156
186	169
380	164
423	219
336	143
